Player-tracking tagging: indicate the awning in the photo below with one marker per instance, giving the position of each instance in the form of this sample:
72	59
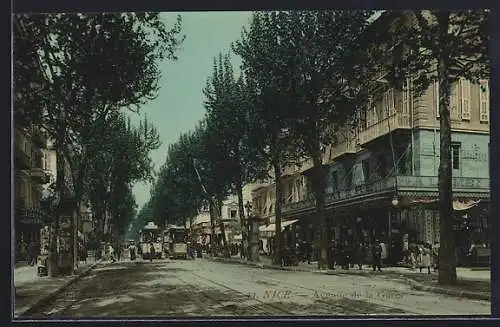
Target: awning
272	227
457	204
238	237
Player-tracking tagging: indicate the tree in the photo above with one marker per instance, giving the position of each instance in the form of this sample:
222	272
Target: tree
440	46
212	167
267	81
123	48
325	90
121	158
225	102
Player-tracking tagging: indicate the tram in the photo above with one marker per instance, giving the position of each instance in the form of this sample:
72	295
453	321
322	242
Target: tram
175	244
150	234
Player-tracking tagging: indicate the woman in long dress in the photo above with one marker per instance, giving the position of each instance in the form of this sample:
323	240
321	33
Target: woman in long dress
426	258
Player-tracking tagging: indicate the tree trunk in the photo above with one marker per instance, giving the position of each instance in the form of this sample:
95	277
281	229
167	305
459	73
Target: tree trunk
53	264
241	211
212	225
279	244
318	186
226	252
447	259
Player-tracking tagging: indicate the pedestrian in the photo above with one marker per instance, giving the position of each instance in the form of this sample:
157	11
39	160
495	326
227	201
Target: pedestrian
132	249
118	251
346	255
309	252
406	248
111	253
151	252
377	256
383	254
413	256
435	253
360	255
426	258
333	255
32	253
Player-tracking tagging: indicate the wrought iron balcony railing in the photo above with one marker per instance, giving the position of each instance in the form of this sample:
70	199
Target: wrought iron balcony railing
404	183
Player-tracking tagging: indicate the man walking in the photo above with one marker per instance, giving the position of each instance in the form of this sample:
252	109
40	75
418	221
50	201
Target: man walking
377	256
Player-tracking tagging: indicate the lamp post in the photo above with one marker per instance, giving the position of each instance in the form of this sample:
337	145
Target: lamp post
247	239
395	204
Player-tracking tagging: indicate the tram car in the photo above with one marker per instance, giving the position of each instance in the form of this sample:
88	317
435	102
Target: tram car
175	242
151	234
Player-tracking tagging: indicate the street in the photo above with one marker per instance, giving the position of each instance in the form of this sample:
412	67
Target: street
206	288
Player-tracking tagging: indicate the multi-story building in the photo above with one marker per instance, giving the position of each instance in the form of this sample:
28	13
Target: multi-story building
31	172
200	225
383	175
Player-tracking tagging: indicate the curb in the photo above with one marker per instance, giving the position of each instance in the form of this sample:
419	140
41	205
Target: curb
51	296
414	284
462	294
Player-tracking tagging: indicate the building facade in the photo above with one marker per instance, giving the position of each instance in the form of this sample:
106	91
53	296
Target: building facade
31	173
382	177
395	155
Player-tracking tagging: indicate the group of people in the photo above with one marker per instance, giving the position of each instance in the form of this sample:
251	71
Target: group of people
423	256
347	255
29	252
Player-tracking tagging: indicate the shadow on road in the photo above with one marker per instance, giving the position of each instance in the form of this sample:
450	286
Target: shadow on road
139	289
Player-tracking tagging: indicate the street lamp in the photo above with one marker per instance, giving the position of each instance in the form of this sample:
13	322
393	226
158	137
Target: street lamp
395	201
248	206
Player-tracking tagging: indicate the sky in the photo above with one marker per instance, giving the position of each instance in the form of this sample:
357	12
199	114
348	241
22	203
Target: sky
179	105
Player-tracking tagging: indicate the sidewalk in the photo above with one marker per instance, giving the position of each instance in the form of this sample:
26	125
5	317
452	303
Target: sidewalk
474	284
32	290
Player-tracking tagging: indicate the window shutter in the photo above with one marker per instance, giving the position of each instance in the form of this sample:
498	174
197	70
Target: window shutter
454	101
406	96
392	100
436	91
465	98
484	99
369	113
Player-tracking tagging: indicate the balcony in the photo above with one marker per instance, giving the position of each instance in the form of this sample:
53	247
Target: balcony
39	176
385	126
406	186
347	147
430	184
39	137
22	157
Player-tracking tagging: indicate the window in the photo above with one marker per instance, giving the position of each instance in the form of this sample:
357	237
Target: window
382	166
454	113
455	156
389	106
484	98
465	88
406	97
348	179
369	113
233	214
271	209
436	91
298	188
335	180
365	164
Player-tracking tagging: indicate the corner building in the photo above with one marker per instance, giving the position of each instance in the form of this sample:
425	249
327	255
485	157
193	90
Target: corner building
383	175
